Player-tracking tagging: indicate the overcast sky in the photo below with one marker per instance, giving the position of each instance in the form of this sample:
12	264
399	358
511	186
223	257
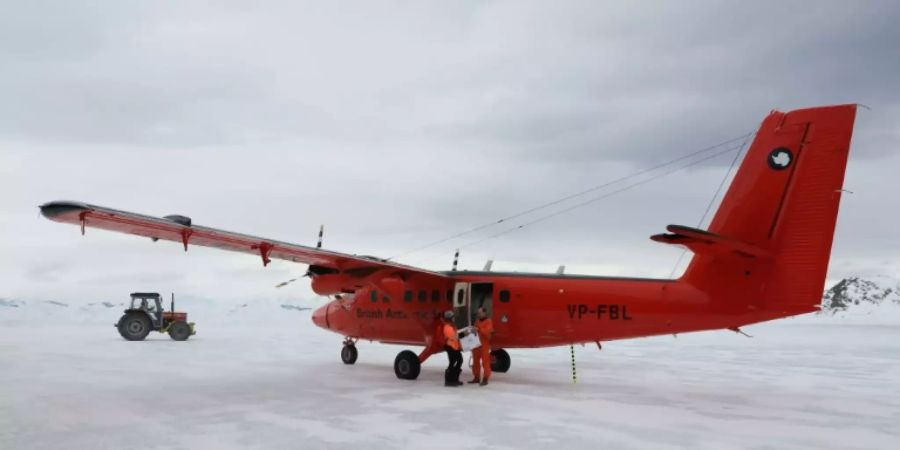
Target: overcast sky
396	124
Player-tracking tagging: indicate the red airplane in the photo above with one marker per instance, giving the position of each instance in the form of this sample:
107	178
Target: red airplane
764	257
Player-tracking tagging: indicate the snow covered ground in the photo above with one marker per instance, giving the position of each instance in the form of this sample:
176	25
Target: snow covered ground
277	382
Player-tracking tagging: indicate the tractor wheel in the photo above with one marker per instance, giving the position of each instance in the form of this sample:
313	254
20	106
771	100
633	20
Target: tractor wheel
407	365
349	354
179	331
500	361
134	326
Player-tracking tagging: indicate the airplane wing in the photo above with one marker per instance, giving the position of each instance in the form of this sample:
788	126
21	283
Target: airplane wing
180	229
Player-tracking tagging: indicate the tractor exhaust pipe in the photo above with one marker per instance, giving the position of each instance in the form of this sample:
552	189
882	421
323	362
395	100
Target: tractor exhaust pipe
173	303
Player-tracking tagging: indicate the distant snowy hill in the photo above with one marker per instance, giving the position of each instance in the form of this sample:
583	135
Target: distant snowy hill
870	300
199	310
854	297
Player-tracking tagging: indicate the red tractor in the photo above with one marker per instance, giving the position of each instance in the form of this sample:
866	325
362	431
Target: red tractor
146	314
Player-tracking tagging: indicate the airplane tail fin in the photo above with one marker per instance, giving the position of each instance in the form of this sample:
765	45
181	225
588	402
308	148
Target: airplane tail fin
769	243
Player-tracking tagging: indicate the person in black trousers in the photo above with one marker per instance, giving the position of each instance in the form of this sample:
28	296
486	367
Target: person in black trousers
454	356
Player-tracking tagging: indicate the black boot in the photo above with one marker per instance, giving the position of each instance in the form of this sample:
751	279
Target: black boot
449	378
456	377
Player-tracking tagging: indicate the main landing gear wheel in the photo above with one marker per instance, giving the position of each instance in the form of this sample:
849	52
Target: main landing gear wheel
134	326
407	366
349	354
500	361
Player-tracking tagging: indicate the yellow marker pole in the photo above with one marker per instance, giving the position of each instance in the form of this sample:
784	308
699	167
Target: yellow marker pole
572	350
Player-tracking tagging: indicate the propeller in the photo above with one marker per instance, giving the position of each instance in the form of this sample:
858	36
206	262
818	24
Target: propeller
285	283
309	272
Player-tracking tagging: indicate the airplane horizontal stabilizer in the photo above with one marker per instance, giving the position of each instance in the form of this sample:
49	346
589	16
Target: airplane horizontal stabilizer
703	242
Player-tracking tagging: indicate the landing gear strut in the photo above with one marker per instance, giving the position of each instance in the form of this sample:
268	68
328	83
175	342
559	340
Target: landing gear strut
407	365
349	352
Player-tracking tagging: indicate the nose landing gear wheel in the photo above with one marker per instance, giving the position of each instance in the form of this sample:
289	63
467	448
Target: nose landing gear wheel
407	366
349	354
500	361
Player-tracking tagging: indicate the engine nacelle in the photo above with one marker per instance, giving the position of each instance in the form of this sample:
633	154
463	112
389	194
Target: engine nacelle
334	283
392	286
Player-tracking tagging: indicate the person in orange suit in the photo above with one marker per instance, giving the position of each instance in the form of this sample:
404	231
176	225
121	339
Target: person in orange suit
481	356
451	346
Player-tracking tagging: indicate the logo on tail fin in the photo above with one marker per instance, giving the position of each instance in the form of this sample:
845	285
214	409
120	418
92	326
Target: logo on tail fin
780	158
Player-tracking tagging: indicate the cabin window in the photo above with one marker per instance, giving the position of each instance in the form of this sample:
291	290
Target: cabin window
385	299
407	296
435	296
504	296
374	296
461	297
423	296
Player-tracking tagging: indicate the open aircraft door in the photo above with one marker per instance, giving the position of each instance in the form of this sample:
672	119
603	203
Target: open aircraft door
467	298
462	298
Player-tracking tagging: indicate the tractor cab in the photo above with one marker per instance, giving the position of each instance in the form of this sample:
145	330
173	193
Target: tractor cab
150	303
146	313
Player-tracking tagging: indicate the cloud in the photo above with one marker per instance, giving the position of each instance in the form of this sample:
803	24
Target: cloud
46	271
399	126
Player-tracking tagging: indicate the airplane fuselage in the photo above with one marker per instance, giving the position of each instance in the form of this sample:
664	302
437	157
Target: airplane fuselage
536	310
